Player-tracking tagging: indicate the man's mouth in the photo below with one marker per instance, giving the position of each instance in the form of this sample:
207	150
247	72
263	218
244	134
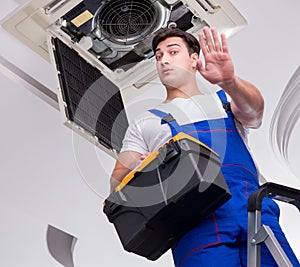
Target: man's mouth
166	70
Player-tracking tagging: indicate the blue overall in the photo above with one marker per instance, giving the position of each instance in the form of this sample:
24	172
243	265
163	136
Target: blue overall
221	239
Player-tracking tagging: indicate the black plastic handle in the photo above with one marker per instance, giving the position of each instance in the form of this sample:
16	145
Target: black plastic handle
276	191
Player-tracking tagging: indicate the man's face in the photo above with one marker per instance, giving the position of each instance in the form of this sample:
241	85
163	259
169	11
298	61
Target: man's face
174	64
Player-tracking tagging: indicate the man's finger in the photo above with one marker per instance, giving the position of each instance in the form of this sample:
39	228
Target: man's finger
216	40
202	44
199	66
209	42
224	43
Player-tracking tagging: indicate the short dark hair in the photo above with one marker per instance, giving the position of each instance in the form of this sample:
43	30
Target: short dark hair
190	40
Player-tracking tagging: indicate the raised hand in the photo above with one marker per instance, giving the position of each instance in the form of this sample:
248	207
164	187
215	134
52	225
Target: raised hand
218	67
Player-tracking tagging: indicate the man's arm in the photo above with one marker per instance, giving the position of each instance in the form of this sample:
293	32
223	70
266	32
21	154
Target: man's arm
247	102
126	162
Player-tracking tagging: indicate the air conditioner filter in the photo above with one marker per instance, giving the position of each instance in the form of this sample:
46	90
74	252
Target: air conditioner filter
93	102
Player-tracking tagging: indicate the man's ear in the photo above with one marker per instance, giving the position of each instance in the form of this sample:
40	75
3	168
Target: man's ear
195	58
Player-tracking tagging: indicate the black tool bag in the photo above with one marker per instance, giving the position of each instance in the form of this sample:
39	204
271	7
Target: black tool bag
172	190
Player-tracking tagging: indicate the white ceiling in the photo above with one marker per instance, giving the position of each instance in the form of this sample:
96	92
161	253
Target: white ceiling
43	182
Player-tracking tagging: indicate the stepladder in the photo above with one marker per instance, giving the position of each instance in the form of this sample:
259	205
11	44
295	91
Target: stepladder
259	233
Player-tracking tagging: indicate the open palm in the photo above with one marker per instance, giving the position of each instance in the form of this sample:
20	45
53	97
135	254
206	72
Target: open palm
218	67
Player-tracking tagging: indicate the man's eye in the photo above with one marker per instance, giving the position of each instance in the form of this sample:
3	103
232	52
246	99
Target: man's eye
158	57
174	52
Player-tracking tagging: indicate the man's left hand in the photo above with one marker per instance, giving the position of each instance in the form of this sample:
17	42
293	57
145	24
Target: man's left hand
218	67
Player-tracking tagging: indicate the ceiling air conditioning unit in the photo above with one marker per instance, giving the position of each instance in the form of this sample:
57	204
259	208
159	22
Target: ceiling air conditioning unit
101	51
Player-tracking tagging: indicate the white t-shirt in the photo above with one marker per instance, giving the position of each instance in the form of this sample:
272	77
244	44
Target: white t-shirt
146	133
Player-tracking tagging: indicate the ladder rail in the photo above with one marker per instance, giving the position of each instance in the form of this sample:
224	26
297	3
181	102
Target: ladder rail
257	233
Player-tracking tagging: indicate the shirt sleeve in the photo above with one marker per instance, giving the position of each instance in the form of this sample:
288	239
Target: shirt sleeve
134	140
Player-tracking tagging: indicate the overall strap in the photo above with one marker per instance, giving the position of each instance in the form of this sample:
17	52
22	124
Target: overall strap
167	118
226	104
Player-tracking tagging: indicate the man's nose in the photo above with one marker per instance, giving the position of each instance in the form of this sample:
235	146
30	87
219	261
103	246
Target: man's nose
165	59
